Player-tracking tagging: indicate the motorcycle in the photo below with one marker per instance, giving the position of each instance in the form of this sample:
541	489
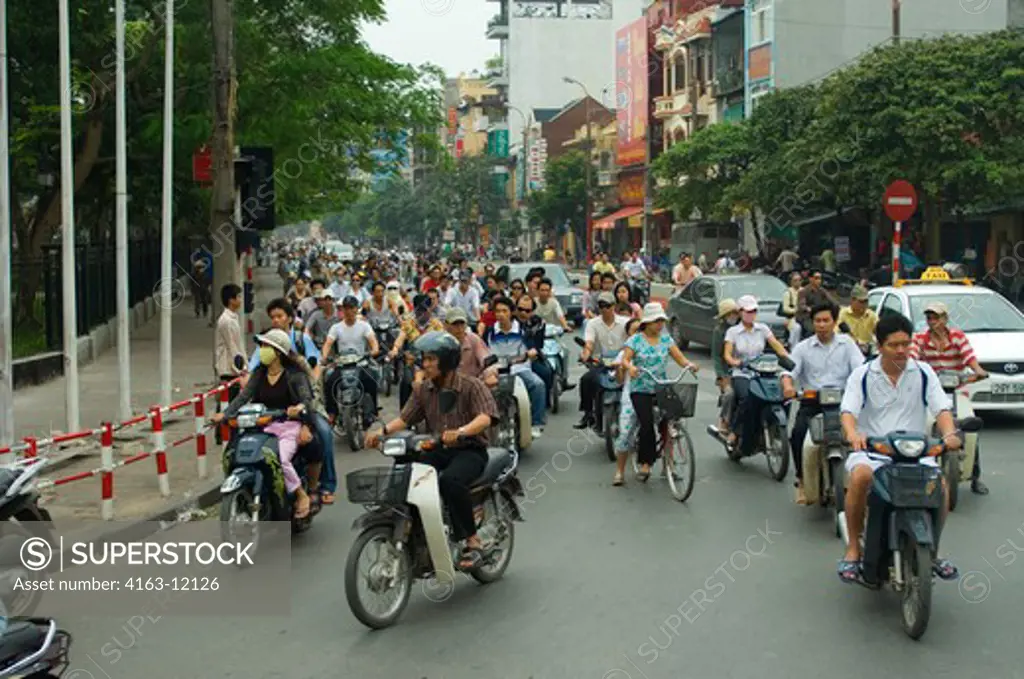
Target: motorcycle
824	452
22	517
349	396
253	489
34	648
765	429
903	515
386	335
409	524
513	430
958	465
606	410
554	354
640	290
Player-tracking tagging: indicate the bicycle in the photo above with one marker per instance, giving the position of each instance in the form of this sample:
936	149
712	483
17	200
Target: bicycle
675	401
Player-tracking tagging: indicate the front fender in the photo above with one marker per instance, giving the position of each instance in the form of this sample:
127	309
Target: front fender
914	522
240	477
386	516
776	414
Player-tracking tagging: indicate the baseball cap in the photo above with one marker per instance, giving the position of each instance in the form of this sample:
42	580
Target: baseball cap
937	308
325	294
606	298
456	315
747	303
351	302
859	292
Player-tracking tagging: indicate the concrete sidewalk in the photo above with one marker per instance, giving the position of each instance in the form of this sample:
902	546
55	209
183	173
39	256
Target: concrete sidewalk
39	412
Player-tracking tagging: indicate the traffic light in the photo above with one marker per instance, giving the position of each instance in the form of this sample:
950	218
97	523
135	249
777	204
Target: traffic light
249	297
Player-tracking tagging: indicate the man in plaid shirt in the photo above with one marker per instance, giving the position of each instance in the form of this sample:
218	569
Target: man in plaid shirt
946	348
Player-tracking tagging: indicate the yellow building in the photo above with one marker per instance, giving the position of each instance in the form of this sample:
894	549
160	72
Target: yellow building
473	122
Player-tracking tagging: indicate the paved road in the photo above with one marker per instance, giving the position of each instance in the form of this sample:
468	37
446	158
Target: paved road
623	583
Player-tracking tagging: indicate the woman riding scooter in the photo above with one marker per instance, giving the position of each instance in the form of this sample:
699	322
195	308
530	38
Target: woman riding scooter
283	382
746	341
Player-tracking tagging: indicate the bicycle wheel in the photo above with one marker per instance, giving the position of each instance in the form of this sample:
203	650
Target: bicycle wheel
680	462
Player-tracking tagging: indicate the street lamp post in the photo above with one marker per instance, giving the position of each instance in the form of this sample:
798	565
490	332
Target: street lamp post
588	208
527	123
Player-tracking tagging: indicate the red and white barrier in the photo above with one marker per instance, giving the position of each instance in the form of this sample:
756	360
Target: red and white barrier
31	447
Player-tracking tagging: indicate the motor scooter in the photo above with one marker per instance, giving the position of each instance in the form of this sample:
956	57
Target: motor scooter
386	336
554	354
513	430
608	403
253	489
901	531
354	405
764	430
958	465
22	518
407	528
34	648
824	452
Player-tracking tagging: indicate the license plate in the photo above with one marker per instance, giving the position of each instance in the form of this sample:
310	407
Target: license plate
1008	388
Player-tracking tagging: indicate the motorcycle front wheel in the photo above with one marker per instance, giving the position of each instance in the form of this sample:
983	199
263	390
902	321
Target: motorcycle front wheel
776	449
611	429
237	524
951	470
837	471
378	578
916	604
498	533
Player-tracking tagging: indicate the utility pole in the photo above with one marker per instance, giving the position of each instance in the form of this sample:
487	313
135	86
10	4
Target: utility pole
222	218
896	21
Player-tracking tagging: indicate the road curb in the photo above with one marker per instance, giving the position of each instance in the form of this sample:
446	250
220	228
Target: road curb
138	529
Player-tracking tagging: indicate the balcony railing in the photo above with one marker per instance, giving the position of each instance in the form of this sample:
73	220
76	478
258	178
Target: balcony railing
498	27
663	106
727	82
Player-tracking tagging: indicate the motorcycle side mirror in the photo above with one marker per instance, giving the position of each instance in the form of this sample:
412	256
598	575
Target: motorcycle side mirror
786	363
575	280
239	361
844	327
579	341
312	361
970	425
489	361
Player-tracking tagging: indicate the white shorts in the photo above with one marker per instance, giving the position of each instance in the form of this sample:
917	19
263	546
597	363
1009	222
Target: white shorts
875	461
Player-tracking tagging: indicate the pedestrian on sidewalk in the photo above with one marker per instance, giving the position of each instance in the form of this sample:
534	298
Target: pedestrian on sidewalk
227	343
200	283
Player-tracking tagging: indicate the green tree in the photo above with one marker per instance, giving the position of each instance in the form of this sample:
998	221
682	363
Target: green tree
564	196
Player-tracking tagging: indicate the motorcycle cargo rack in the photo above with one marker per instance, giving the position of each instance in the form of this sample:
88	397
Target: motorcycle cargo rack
914	486
677	401
381	485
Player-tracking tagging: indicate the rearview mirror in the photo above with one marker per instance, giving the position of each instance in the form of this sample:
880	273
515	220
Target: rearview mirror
844	328
575	280
786	363
579	341
312	361
970	425
239	361
489	361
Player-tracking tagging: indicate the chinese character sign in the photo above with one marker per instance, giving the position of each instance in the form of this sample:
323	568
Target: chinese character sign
631	92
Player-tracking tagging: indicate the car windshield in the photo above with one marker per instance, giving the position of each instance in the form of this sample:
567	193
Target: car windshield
553	271
971	313
767	289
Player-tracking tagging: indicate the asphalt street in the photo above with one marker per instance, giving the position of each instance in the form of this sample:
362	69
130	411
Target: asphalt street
621	583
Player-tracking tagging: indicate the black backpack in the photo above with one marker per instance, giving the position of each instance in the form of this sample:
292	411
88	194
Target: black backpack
924	385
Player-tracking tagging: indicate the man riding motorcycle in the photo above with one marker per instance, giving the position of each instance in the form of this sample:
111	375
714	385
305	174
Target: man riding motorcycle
825	359
859	318
378	307
946	348
508	330
890	393
417	323
351	333
460	408
474	350
604	334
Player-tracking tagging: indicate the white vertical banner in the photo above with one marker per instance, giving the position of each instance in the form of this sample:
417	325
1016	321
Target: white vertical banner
67	203
166	279
124	354
6	302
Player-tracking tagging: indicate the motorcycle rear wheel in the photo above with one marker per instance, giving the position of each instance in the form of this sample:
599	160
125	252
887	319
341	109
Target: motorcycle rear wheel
916	602
381	534
778	457
556	391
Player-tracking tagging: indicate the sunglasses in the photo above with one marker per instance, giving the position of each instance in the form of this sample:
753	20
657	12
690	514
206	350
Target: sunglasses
604	305
523	310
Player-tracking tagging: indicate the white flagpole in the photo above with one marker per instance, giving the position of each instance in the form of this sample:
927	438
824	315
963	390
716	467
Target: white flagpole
124	354
67	195
165	258
6	303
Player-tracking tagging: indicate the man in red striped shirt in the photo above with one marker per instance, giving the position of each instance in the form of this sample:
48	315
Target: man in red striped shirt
946	348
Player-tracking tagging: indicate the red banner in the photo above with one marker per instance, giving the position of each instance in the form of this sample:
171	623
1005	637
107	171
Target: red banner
453	122
631	92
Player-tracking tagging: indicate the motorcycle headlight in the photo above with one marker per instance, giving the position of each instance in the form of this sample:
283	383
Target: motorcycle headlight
830	397
577	299
394	448
909	447
247	421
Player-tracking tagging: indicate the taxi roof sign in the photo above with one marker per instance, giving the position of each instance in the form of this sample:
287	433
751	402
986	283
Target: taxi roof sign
934	274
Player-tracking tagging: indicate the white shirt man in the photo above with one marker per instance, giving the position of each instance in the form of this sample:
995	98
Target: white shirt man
464	296
634	267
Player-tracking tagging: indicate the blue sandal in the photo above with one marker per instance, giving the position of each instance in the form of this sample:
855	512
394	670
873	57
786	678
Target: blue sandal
850	572
944	569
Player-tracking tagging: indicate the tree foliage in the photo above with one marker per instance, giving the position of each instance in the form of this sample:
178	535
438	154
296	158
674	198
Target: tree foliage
564	196
945	114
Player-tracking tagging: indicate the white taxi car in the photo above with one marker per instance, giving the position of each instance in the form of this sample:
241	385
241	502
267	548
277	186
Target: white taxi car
994	327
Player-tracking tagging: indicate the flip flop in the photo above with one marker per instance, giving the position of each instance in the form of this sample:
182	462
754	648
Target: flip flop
944	569
327	498
618	479
849	572
473	555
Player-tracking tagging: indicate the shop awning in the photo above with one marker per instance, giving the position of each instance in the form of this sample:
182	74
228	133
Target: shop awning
609	221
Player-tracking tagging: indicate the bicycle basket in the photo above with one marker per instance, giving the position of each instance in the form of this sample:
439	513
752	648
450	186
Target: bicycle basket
378	485
677	400
913	486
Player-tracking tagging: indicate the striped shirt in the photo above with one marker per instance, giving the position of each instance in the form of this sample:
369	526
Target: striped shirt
956	356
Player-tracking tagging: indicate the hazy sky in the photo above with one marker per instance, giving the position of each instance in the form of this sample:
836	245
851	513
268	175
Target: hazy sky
448	33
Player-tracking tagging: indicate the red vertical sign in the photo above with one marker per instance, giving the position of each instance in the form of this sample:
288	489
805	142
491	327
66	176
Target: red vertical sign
631	92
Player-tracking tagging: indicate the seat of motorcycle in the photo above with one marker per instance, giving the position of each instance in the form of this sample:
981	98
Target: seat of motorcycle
20	638
498	460
7	478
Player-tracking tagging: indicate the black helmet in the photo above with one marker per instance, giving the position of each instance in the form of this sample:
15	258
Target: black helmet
351	301
444	346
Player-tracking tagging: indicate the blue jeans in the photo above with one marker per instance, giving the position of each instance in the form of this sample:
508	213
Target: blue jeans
543	370
538	403
328	476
